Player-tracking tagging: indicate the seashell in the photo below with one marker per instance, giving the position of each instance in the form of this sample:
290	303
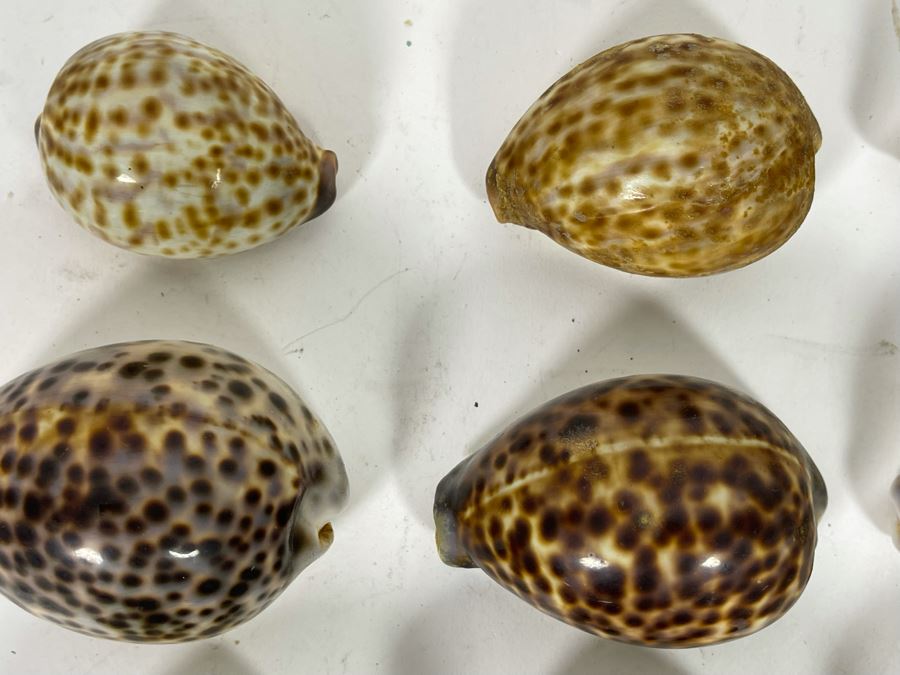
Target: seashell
659	510
895	494
162	145
674	155
159	491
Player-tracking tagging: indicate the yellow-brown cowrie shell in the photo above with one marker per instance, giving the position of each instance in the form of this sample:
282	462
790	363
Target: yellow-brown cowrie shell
675	155
159	491
165	146
660	510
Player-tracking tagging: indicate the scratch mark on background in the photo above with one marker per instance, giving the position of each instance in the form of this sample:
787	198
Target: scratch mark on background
461	263
346	315
882	348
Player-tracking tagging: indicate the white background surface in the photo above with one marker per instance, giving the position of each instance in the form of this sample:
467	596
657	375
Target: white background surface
406	303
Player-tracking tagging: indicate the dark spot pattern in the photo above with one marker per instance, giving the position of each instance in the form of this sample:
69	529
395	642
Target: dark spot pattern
223	143
714	140
120	518
607	511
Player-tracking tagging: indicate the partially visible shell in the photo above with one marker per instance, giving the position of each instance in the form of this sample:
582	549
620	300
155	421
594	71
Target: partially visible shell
674	155
162	145
659	510
159	491
895	494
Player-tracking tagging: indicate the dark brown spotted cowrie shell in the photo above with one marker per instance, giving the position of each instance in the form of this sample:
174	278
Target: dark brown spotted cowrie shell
659	510
162	145
673	155
159	491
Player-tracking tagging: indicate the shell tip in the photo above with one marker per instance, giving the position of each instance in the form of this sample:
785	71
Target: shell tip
493	192
327	192
37	130
326	536
446	525
819	492
447	540
509	200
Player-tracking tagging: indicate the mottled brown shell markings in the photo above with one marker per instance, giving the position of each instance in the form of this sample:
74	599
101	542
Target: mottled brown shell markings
659	510
165	146
159	491
674	155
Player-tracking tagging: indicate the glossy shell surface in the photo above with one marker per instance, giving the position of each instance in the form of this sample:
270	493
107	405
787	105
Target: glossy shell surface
164	146
659	510
159	491
674	155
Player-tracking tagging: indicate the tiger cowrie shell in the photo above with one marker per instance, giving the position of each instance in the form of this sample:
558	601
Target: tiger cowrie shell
674	155
659	510
159	491
162	145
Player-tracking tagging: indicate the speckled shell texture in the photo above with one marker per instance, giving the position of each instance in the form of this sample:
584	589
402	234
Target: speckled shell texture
159	491
659	510
675	155
162	145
